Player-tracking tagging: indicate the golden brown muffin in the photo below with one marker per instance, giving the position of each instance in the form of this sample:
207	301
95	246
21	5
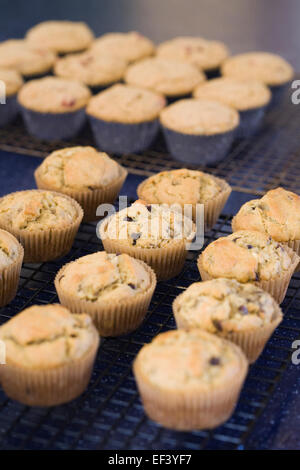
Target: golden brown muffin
12	79
189	379
242	313
114	289
49	355
11	258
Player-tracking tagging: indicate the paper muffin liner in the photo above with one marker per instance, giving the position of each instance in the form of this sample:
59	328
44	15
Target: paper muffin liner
188	410
198	149
276	287
10	276
278	92
119	138
47	245
9	110
113	318
53	126
49	387
89	200
250	122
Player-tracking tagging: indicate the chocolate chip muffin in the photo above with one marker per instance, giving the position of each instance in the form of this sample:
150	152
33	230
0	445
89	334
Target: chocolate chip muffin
11	258
49	355
115	290
189	380
242	313
90	177
250	256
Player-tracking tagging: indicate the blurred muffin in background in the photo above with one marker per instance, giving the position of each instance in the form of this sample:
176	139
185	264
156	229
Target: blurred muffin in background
12	83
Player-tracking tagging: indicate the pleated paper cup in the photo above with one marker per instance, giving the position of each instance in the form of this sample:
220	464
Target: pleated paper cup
113	318
193	408
295	246
212	207
89	200
10	275
49	387
46	245
277	287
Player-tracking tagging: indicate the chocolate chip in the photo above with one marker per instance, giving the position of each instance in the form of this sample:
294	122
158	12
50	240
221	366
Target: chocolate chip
135	236
243	309
132	286
149	207
249	247
128	219
214	361
217	324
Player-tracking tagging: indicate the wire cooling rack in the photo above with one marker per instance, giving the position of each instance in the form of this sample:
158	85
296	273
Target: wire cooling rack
255	165
109	415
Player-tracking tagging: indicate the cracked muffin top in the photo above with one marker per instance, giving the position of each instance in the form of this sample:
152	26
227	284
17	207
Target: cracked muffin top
205	54
54	95
129	46
38	210
10	249
199	117
184	186
149	226
61	36
28	59
46	336
126	104
82	168
91	68
224	305
277	214
240	94
265	67
13	81
246	256
164	76
196	360
103	277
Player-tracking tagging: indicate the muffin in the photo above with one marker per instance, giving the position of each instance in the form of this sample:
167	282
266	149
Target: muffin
28	59
199	131
170	78
242	313
115	290
53	108
153	233
45	222
11	258
61	36
10	83
49	355
276	214
249	97
206	55
94	70
124	119
189	380
89	176
270	69
250	256
187	187
129	46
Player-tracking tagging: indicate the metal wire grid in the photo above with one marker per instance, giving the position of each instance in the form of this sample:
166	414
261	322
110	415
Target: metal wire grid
109	414
255	165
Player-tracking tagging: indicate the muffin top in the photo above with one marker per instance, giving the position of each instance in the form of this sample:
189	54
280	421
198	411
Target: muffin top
126	104
37	210
81	168
206	55
164	76
199	117
46	336
225	305
129	46
54	95
10	249
184	186
246	256
268	68
240	94
61	36
28	59
182	360
103	277
91	68
149	226
277	214
12	79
